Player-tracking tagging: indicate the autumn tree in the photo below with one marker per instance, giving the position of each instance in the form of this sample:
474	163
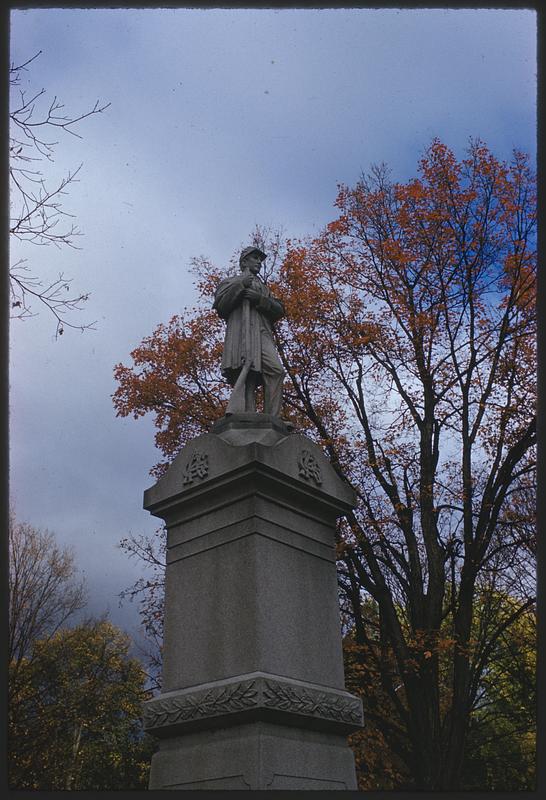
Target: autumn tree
37	215
409	343
502	730
44	593
78	724
381	746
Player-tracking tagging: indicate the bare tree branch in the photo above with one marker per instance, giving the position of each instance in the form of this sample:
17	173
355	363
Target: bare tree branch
36	212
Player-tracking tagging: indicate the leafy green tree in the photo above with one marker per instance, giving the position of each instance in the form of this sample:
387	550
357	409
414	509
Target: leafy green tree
501	748
77	725
44	595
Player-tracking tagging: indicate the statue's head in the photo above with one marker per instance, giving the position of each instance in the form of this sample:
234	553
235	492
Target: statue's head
251	258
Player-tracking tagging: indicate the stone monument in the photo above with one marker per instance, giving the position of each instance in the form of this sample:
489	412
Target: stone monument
253	693
249	358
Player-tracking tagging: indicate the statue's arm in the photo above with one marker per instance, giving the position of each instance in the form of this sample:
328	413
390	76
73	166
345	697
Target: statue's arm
271	308
228	296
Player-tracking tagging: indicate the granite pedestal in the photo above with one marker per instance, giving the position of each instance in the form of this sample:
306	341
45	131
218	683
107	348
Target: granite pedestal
253	693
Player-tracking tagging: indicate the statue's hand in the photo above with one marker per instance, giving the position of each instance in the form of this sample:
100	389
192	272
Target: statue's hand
252	295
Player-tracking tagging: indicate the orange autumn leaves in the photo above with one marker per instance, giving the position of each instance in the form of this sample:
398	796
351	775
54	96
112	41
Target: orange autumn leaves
175	376
387	286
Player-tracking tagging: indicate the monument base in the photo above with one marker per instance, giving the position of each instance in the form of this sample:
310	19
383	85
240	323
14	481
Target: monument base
254	756
253	693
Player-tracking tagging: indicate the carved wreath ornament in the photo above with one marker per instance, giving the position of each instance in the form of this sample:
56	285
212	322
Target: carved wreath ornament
256	693
309	467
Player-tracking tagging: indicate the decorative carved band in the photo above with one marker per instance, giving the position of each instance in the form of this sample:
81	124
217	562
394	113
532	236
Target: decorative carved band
299	700
197	467
253	694
219	700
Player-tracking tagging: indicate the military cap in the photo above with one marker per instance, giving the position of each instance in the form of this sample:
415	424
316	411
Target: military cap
248	250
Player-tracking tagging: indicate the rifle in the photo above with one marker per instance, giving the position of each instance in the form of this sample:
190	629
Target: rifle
237	402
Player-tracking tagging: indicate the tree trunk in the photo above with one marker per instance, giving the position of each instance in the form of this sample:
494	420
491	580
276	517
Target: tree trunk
72	768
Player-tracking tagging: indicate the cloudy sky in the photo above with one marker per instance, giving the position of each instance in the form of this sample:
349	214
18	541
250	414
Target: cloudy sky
219	120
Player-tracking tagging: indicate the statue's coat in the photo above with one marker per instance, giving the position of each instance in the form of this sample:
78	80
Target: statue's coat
227	303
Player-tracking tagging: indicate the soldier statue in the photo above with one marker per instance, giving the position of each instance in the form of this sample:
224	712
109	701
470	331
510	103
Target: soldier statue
250	357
